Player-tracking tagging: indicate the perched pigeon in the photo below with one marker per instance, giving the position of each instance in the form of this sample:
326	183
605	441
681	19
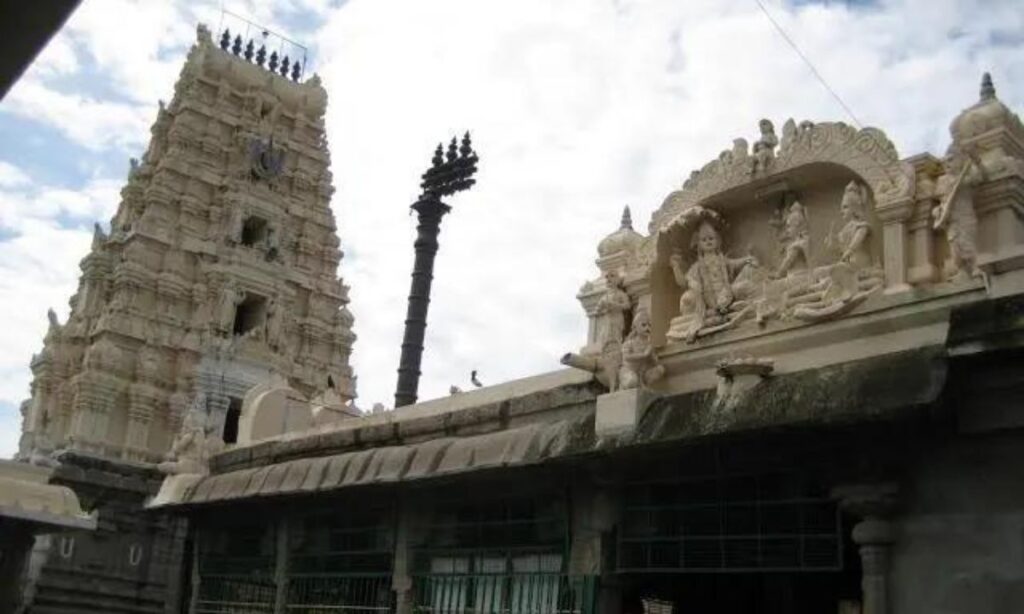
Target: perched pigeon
472	378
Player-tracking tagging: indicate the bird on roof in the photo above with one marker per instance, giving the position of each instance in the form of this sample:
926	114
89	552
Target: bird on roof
473	378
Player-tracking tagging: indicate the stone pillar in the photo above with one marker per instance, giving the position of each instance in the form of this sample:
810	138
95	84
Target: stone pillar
196	578
874	536
281	566
595	512
923	268
402	572
894	218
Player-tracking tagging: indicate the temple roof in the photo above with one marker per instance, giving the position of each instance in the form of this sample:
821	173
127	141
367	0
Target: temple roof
891	387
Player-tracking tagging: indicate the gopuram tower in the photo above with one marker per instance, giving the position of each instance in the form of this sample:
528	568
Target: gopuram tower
219	273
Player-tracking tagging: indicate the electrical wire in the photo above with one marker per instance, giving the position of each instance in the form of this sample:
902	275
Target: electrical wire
807	61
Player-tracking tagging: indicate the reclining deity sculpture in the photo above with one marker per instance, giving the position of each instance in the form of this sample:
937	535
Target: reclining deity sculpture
845	284
717	290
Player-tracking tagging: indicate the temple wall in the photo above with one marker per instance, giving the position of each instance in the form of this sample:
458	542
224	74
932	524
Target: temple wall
960	542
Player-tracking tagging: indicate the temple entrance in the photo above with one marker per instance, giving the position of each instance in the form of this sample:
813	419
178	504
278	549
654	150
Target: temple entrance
742	593
734	530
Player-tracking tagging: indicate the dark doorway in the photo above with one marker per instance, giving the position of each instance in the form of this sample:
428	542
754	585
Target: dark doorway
254	231
250	314
230	434
741	593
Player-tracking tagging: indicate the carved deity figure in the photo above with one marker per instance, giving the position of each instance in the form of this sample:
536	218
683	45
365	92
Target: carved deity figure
229	299
177	404
236	222
764	147
849	281
716	288
190	453
640	366
612	308
955	215
274	324
852	239
795	238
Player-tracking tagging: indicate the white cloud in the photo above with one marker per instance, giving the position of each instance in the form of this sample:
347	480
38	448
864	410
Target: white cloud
86	121
38	270
46	231
579	108
11	176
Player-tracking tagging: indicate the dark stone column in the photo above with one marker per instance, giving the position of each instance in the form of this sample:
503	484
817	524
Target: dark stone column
875	535
430	211
16	541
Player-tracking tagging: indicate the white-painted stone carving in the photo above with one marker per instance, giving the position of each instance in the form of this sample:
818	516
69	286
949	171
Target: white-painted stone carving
796	243
640	366
956	217
764	148
717	290
854	277
613	309
192	447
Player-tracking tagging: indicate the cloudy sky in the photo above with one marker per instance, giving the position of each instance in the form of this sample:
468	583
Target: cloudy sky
578	107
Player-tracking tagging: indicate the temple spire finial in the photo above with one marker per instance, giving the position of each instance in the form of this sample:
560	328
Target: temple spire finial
988	90
627	219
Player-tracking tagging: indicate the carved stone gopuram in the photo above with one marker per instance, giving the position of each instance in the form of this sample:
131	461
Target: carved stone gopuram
220	268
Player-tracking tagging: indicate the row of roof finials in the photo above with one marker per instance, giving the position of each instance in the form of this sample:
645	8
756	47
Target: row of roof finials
250	52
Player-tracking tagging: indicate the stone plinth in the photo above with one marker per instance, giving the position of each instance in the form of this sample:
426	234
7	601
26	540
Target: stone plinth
619	413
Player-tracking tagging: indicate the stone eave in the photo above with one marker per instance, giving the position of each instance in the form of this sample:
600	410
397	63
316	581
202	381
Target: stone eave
885	388
489	409
874	389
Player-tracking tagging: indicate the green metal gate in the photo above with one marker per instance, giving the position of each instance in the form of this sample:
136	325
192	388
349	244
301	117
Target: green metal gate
712	511
498	555
540	593
316	562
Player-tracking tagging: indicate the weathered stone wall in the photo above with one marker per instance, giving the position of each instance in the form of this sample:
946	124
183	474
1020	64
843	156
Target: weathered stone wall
960	541
130	563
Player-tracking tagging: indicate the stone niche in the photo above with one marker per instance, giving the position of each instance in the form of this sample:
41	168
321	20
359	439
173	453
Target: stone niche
779	239
250	314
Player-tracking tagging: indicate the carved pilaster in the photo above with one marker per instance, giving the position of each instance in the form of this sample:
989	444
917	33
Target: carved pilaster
874	535
894	216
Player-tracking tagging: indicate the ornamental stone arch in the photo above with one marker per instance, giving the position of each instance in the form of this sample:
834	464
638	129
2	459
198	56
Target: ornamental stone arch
732	185
867	152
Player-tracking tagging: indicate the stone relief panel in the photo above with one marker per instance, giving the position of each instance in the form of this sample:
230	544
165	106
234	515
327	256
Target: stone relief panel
807	248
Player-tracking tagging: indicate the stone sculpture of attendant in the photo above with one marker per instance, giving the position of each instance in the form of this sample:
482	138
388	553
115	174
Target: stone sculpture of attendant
189	453
612	308
854	277
853	236
796	238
